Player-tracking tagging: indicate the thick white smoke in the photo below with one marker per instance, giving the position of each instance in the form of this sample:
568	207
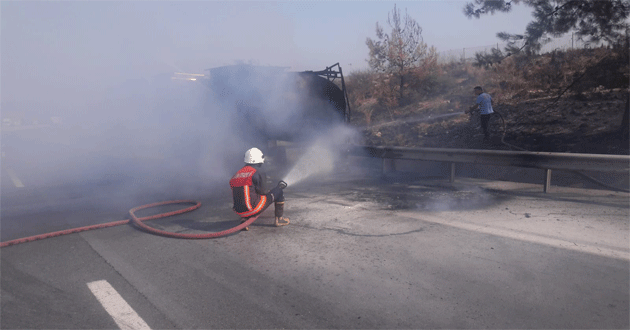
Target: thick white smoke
172	135
156	131
92	105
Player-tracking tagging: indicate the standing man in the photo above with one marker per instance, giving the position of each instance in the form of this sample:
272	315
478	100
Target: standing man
248	190
484	105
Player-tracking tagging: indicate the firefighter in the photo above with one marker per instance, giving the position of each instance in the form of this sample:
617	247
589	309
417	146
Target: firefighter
249	194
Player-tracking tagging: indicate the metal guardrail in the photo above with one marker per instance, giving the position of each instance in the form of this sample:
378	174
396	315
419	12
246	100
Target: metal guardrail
542	160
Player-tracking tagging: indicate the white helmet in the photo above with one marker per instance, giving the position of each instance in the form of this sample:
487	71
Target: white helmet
254	156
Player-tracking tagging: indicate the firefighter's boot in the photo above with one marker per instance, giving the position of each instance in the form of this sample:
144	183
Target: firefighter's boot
280	220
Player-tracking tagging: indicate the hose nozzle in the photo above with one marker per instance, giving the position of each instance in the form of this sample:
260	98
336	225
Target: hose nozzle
282	184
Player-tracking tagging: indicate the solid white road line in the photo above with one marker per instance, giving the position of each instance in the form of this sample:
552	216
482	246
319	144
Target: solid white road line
14	178
116	306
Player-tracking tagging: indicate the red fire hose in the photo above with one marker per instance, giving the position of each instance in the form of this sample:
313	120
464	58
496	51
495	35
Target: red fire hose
138	222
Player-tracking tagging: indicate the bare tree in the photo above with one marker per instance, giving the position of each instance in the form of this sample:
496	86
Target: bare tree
399	51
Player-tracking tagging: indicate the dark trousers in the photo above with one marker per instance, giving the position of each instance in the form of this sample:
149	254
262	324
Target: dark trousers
276	195
268	202
484	124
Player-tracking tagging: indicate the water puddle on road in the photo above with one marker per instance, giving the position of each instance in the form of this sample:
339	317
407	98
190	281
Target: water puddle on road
423	197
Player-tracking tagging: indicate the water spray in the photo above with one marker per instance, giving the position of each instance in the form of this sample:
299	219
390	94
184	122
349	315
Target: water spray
321	156
319	159
414	120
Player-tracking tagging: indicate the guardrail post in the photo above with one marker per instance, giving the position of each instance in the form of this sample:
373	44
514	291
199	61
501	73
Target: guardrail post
388	165
547	180
452	176
540	160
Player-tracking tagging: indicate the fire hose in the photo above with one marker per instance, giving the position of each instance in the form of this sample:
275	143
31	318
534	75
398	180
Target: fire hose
138	222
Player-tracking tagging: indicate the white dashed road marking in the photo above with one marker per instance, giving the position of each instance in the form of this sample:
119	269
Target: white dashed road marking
116	306
14	178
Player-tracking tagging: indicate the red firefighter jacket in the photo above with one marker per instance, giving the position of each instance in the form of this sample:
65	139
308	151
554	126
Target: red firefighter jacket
247	191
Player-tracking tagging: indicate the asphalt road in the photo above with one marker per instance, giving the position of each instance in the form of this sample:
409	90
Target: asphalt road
360	252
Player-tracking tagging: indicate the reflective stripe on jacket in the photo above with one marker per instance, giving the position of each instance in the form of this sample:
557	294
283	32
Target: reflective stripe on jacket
247	200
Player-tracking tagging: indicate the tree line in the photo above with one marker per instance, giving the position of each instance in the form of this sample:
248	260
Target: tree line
402	65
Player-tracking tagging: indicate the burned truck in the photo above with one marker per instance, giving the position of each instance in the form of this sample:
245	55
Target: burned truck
272	104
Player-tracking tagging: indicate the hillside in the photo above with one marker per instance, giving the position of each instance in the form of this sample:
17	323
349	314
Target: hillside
586	118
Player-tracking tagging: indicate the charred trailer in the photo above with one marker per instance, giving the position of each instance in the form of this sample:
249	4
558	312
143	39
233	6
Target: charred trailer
271	104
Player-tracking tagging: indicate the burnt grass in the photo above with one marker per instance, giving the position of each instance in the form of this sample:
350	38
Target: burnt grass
577	122
563	101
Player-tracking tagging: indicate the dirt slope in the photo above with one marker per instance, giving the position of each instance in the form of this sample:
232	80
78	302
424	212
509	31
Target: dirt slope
563	101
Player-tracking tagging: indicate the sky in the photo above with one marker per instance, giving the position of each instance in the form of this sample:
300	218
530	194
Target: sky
69	53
